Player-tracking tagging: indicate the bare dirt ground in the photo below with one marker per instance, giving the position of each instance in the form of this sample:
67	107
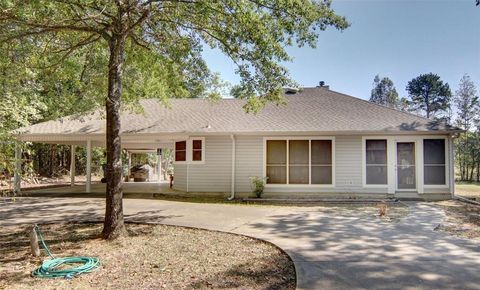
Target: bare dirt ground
462	219
152	257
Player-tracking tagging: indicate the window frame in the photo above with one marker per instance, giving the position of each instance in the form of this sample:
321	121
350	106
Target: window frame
309	139
446	164
175	151
189	153
364	162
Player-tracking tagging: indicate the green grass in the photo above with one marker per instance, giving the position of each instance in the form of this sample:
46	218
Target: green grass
468	189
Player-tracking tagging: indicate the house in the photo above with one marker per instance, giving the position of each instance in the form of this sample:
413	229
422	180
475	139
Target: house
322	143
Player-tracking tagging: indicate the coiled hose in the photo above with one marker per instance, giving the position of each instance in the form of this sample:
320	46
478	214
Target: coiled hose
50	267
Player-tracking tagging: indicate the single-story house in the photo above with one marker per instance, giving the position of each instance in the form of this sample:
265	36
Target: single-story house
321	143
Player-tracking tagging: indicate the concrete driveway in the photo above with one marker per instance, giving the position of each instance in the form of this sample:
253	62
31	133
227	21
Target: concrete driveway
331	248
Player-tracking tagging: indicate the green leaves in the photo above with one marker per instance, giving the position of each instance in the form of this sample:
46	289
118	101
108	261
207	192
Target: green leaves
384	92
165	43
428	93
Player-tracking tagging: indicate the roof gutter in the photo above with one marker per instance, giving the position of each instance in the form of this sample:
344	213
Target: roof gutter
232	189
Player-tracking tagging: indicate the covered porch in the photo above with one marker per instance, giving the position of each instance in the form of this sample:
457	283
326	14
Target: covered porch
130	145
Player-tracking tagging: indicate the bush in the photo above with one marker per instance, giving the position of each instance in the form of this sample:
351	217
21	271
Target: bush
258	185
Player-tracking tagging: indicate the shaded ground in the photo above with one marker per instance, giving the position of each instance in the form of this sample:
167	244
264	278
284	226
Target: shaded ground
468	190
462	219
152	257
333	247
6	186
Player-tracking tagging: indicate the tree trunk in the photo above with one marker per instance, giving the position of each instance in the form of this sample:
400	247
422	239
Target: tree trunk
114	225
478	170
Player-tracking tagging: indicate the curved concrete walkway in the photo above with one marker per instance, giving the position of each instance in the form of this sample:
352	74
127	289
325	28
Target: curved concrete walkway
332	248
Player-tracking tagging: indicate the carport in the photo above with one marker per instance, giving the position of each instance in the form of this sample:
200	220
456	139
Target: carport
131	143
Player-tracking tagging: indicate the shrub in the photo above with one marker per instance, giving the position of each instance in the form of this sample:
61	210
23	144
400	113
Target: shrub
258	185
382	209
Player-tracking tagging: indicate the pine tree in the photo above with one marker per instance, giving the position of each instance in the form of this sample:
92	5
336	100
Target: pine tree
428	94
384	92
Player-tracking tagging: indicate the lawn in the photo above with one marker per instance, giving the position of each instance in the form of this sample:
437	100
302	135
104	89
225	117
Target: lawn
468	189
152	257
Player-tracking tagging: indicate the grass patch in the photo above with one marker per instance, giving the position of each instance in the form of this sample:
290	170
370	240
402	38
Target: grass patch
468	189
151	257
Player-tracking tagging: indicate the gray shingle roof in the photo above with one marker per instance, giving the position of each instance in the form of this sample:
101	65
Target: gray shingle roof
311	110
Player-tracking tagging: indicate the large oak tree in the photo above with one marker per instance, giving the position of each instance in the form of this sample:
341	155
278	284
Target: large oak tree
252	33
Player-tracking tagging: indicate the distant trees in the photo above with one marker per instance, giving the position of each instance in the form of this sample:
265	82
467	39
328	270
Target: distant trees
384	92
429	95
467	103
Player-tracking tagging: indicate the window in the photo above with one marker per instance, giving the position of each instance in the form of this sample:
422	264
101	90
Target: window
299	161
277	161
434	161
197	150
321	161
181	151
191	150
376	162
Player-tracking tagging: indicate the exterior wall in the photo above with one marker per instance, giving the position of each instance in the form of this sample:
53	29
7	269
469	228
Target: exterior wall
180	181
249	161
215	174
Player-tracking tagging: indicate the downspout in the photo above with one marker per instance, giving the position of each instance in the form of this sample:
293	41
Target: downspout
232	189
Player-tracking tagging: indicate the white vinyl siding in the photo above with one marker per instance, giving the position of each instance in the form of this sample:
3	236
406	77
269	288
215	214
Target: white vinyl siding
215	174
249	152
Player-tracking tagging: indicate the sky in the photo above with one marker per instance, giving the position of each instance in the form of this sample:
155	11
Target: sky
400	39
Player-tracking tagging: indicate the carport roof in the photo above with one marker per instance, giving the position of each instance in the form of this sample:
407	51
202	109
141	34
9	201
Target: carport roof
311	110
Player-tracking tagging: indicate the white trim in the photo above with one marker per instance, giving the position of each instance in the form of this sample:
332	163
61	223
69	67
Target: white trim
364	162
175	151
232	186
415	152
419	162
17	174
447	165
72	165
451	162
309	138
190	150
88	184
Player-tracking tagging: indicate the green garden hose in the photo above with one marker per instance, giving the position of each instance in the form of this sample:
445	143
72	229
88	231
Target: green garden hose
50	267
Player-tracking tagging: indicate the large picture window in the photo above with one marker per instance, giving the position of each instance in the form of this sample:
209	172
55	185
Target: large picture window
376	162
434	161
299	161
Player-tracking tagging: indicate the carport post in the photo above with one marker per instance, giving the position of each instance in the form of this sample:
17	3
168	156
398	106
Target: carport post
159	166
72	165
88	185
129	162
17	177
